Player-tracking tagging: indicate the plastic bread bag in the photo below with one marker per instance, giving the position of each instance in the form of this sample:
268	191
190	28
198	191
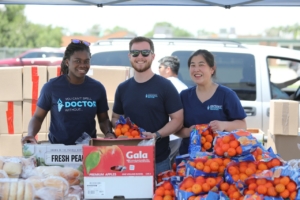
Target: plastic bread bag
72	175
16	189
13	167
83	139
149	142
36	181
3	174
1	162
76	190
28	165
49	193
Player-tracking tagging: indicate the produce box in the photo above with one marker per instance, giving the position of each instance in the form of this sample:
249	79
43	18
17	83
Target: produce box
116	168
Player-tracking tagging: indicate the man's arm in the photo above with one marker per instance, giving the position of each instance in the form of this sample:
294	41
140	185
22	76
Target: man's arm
287	83
105	125
114	118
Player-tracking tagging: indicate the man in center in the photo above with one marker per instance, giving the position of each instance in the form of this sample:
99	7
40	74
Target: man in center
149	100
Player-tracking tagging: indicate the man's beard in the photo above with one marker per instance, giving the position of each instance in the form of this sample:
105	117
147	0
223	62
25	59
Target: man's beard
147	66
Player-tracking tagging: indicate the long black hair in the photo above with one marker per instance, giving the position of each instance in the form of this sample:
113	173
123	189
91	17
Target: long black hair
71	48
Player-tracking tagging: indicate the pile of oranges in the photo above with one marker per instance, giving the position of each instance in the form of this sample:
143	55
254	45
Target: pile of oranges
127	131
213	165
227	146
199	184
231	191
164	192
242	170
279	187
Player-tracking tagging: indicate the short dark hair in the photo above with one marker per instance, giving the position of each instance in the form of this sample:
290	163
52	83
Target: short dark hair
209	58
171	61
142	39
71	48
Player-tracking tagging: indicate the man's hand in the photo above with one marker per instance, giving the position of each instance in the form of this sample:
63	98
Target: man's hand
149	135
28	139
217	125
110	136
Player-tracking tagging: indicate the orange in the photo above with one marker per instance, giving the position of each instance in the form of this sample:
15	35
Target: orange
279	188
250	192
276	181
261	189
119	126
224	186
243	168
203	140
160	191
226	139
221	169
231	152
126	126
191	198
168	197
243	177
192	163
168	192
234	144
118	131
239	150
285	194
252	186
225	147
207	145
209	138
196	188
189	183
127	133
124	129
293	195
262	166
232	170
249	171
135	133
226	161
236	195
271	192
208	162
167	186
137	136
285	180
158	198
211	182
219	151
235	177
205	133
291	186
206	169
219	161
199	166
205	187
200	180
275	162
214	166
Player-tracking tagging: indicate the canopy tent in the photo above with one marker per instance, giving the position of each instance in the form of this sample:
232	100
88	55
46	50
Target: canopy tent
100	3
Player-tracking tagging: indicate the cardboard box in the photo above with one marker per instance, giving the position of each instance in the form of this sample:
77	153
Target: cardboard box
257	133
284	117
110	77
11	84
34	78
10	145
287	146
11	117
53	71
55	154
121	164
29	107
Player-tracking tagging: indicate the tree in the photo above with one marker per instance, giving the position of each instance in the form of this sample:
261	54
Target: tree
95	30
289	29
16	31
175	31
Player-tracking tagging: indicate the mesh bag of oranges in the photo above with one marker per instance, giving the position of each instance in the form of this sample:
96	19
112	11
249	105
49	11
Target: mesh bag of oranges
207	165
234	143
166	175
164	191
200	185
240	171
278	183
126	128
181	161
201	139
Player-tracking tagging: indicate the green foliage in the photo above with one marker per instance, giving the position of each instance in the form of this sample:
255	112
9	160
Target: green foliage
149	34
276	31
16	31
175	31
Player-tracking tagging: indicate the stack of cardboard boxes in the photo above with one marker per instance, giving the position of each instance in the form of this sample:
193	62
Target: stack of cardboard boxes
283	128
19	90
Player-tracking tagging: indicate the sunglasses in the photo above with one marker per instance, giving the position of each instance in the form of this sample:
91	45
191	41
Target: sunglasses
136	53
76	41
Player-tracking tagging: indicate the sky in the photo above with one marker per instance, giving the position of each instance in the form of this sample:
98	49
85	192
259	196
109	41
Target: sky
246	20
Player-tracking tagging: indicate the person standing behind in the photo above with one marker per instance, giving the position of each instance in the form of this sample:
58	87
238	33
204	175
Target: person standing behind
208	102
168	68
73	99
149	100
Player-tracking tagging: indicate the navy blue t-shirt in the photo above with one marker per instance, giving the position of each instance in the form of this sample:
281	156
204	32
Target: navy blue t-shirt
73	108
224	105
148	105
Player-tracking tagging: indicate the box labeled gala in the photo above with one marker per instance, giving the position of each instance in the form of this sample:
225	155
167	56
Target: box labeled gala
121	164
